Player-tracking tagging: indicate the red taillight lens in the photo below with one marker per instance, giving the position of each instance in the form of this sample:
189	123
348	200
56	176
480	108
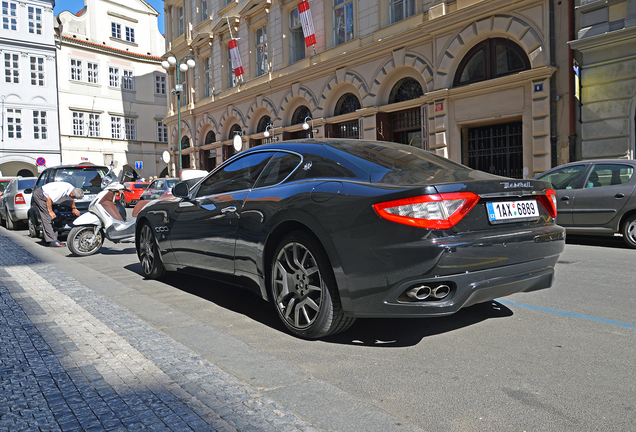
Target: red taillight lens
19	199
436	211
549	201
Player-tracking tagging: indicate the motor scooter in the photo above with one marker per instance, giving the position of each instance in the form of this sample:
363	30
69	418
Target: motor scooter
103	220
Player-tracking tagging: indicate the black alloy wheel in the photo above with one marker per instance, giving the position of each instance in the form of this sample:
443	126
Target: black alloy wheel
304	289
148	252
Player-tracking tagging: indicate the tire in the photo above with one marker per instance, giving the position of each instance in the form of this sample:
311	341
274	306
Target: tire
34	232
148	253
82	242
629	231
304	289
8	221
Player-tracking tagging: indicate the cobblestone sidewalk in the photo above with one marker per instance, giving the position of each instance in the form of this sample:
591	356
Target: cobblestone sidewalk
71	360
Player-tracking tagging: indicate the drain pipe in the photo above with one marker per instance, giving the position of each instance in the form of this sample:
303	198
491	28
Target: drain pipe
553	93
572	136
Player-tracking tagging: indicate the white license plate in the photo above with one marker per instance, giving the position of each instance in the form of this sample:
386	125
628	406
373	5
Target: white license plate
512	211
87	197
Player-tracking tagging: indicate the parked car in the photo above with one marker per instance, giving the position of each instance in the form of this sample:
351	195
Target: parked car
131	196
596	197
15	201
332	230
87	177
158	188
4	181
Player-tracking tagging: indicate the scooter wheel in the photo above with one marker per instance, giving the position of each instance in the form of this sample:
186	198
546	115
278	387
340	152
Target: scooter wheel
82	241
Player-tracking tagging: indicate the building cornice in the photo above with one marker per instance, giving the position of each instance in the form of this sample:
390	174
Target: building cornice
109	49
603	40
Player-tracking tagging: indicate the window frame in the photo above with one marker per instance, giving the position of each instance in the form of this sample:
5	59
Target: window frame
130	129
92	73
296	35
130	34
162	132
10	16
37	74
14	123
12	71
114	77
115	30
208	79
40	125
34	17
76	72
343	5
261	51
78	123
160	84
180	21
408	9
115	127
128	80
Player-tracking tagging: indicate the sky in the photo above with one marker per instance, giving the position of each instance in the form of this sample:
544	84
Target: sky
75	6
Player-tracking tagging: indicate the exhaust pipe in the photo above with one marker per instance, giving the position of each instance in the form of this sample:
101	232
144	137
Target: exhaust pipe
441	292
419	293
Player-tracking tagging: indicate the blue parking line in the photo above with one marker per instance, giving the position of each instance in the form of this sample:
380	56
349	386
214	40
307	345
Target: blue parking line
568	314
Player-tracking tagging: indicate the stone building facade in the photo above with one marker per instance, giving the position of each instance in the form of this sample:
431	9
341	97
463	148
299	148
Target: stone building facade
485	83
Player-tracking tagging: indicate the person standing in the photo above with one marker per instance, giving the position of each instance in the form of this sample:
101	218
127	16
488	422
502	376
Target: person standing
54	193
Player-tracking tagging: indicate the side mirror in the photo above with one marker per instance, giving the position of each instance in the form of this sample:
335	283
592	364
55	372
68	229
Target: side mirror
181	190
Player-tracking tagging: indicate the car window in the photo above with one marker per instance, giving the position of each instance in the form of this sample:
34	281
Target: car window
171	183
603	175
320	167
278	169
25	184
159	184
239	174
564	178
87	178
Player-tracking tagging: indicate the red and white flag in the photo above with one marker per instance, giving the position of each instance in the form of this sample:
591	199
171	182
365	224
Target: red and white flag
307	23
236	58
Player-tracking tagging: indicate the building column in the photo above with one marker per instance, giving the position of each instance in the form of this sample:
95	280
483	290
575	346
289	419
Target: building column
541	160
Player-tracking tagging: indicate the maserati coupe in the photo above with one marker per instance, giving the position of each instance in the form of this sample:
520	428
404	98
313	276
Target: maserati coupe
331	230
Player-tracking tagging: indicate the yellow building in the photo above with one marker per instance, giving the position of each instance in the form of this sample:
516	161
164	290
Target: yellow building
476	81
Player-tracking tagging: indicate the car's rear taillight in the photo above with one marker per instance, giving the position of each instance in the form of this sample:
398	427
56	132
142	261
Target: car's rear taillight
19	199
549	201
436	211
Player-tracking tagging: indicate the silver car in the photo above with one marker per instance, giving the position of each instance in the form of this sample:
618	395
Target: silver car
596	197
15	201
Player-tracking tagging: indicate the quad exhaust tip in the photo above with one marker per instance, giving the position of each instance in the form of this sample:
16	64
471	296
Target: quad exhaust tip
423	292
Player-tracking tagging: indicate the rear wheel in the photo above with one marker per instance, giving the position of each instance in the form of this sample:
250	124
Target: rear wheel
8	221
304	288
148	252
84	241
34	232
629	231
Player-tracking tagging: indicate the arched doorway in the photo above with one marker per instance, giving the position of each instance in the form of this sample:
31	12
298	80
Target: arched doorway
404	127
347	103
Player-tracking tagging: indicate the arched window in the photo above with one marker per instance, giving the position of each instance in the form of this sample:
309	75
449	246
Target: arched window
346	104
263	123
405	89
210	137
301	113
185	142
492	58
236	128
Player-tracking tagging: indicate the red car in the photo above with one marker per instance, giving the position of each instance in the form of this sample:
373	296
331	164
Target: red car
136	189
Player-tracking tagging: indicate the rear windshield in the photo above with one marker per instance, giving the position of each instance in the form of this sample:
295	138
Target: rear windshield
26	183
398	163
87	178
139	186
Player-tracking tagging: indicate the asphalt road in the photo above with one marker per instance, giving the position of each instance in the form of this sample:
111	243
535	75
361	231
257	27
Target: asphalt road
558	359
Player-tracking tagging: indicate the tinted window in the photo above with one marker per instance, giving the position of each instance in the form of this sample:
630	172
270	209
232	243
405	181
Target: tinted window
609	175
237	175
26	183
87	178
314	166
564	178
279	168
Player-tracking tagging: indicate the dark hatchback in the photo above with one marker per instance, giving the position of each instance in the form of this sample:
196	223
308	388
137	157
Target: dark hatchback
86	177
333	230
596	197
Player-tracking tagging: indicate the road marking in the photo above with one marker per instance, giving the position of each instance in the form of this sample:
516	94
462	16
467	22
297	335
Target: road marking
569	314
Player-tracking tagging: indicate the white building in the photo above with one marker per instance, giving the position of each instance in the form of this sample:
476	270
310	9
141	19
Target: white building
28	90
112	89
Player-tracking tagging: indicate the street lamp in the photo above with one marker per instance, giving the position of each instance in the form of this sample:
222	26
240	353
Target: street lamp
187	62
267	133
306	126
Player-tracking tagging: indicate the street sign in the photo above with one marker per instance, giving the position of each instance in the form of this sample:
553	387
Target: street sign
40	161
139	165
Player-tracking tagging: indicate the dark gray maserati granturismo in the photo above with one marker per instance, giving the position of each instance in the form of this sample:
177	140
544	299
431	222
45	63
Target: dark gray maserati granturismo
331	230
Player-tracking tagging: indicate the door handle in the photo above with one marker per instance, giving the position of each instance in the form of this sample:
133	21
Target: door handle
565	198
620	195
228	210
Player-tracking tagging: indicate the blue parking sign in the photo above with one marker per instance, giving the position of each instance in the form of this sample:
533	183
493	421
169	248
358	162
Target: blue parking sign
139	164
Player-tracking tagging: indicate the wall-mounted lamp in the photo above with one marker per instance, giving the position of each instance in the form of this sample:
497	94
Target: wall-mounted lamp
306	126
269	130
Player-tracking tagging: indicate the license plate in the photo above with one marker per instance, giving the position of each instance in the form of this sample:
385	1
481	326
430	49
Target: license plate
512	211
87	197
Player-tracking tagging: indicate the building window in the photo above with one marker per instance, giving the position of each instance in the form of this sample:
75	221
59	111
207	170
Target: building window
162	132
207	76
130	34
490	59
115	127
37	71
180	25
405	89
160	84
93	73
204	11
39	125
113	76
347	103
12	68
9	15
128	80
261	51
14	123
78	123
94	125
115	30
400	9
131	129
35	20
296	37
231	76
76	70
343	21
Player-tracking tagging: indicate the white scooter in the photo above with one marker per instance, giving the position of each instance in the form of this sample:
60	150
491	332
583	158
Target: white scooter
103	220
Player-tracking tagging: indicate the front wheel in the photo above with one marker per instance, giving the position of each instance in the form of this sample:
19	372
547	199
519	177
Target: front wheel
148	252
304	288
629	231
84	241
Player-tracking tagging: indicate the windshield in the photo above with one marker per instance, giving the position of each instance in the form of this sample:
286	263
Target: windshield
88	179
